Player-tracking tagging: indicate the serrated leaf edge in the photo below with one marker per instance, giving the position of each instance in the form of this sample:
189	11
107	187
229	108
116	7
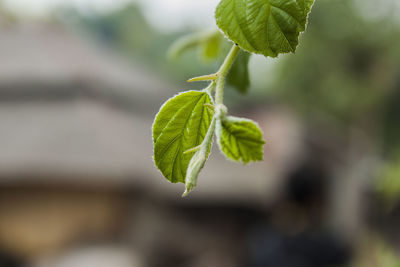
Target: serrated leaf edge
218	131
301	31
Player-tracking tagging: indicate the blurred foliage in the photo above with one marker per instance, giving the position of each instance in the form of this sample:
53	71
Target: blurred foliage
346	66
388	184
211	45
128	31
7	18
374	252
346	70
238	76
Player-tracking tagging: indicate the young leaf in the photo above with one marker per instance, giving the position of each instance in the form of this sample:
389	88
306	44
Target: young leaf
180	125
240	139
184	44
211	46
208	42
238	76
267	27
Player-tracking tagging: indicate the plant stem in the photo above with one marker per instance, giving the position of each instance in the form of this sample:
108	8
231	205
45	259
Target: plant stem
223	71
198	160
200	157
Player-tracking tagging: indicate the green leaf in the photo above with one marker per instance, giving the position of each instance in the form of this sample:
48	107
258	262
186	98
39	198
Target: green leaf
211	46
240	139
238	76
184	44
267	27
181	124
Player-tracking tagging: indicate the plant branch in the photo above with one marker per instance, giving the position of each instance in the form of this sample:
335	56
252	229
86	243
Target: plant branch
200	157
223	71
198	160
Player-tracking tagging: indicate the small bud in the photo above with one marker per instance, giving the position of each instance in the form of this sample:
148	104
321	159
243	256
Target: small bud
196	164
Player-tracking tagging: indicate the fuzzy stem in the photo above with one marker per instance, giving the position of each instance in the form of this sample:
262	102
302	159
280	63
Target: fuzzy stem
222	72
199	158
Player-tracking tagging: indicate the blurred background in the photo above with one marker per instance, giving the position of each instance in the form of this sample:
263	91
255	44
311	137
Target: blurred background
80	83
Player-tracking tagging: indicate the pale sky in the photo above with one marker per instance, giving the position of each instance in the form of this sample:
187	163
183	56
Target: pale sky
172	15
168	15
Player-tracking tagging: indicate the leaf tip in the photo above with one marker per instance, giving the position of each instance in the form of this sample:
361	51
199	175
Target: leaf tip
188	189
210	77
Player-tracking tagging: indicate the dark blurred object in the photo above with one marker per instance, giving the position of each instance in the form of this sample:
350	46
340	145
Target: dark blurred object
8	260
307	185
270	248
295	237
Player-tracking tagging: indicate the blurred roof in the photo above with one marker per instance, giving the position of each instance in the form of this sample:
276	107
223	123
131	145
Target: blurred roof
39	60
70	107
72	111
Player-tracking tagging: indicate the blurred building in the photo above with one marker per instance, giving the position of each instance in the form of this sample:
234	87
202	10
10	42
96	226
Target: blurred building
73	121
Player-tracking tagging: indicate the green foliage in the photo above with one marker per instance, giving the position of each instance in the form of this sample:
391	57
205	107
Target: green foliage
117	28
389	183
341	73
375	251
210	45
184	128
181	124
208	42
267	27
238	76
240	139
